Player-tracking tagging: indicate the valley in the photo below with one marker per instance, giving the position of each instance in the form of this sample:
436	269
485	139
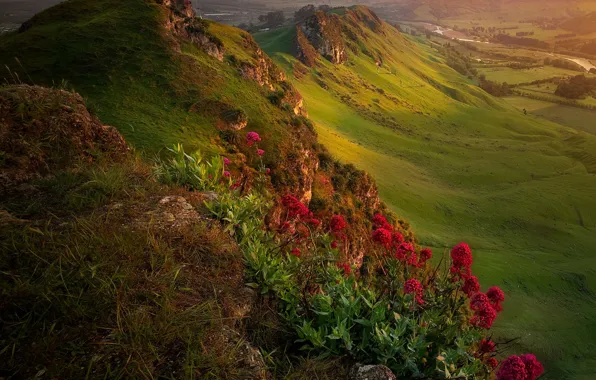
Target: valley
464	166
308	134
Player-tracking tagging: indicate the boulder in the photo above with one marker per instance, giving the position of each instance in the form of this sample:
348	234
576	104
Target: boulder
370	372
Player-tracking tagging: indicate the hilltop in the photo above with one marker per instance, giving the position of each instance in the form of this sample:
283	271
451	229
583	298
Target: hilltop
461	164
139	261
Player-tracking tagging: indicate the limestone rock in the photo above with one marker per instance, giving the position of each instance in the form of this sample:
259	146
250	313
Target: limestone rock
370	372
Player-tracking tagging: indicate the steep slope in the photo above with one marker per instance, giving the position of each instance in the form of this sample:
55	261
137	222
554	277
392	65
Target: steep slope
462	165
585	24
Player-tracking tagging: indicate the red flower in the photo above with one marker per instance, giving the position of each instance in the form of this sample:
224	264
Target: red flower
226	161
295	252
533	366
314	222
492	363
486	346
412	259
405	251
337	223
382	236
347	269
295	207
471	285
426	254
260	152
512	368
397	238
334	244
268	171
379	221
252	137
413	286
478	301
461	257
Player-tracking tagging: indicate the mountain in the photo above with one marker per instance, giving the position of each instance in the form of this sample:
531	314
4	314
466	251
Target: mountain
459	164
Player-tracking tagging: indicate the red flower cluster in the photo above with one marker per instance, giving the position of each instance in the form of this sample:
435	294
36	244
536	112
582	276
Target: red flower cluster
461	257
347	269
260	152
533	367
425	255
296	252
496	296
337	224
492	363
486	346
379	221
397	238
484	314
524	367
471	285
226	174
382	236
226	161
314	222
334	244
413	286
295	207
252	138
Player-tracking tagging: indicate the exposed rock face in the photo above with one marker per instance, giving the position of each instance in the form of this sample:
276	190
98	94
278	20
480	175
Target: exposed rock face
32	116
295	101
262	70
234	120
323	32
371	372
182	22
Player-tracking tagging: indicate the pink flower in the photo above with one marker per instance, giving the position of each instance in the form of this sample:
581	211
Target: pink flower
295	207
533	366
226	174
471	285
226	161
260	152
426	254
268	171
461	257
404	251
252	138
413	286
512	368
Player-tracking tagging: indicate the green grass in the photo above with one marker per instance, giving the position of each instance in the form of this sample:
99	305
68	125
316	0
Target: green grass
119	56
578	118
515	76
463	166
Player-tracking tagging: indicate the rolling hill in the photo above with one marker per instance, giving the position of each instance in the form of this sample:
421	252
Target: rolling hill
462	165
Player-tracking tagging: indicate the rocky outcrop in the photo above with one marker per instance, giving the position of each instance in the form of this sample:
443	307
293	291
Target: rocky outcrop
42	130
323	33
182	22
262	69
370	372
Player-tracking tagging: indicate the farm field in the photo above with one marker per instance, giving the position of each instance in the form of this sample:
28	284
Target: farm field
516	76
461	165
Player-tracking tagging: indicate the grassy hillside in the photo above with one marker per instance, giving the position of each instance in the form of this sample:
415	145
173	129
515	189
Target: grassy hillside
463	166
135	76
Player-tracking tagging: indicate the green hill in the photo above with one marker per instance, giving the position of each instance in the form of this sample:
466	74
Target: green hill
585	24
462	165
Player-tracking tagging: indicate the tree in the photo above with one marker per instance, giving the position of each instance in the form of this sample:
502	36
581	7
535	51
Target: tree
304	12
272	19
